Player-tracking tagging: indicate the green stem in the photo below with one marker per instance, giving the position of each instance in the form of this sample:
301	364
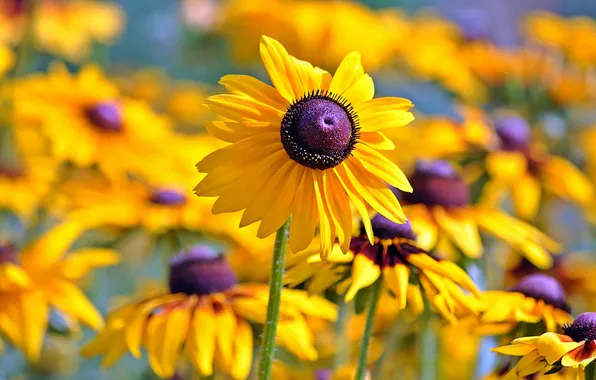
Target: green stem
368	329
343	343
275	286
428	347
590	371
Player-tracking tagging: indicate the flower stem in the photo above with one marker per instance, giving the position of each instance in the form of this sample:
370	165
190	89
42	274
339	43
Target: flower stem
428	347
368	329
275	286
590	371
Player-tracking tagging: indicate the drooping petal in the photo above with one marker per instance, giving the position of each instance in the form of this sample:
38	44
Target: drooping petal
397	278
364	273
338	206
326	227
304	215
225	334
550	346
461	228
201	339
242	350
176	327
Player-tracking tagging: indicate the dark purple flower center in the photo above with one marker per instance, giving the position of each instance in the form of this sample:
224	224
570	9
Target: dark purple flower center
167	197
15	8
514	133
105	116
436	183
582	328
383	228
11	171
8	254
319	131
384	253
323	374
200	270
542	287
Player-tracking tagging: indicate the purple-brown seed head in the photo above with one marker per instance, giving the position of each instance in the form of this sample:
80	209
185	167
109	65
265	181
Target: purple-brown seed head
319	131
542	287
106	116
8	254
583	328
436	182
167	197
200	270
514	133
383	228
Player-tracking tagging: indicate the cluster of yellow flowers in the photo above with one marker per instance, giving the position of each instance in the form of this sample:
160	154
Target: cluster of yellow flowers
348	235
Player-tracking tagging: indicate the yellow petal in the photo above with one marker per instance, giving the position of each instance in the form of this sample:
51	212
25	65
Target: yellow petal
326	228
552	348
81	262
379	166
201	339
397	277
384	113
364	273
70	299
225	320
155	339
361	91
242	350
526	196
50	248
338	206
34	314
563	179
514	349
506	166
461	228
242	108
348	73
254	88
176	327
376	140
304	215
234	131
281	69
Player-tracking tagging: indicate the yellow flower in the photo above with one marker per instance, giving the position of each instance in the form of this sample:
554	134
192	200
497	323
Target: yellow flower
535	298
319	32
526	171
7	59
42	276
208	315
546	28
443	218
394	256
307	147
27	174
576	348
69	29
88	123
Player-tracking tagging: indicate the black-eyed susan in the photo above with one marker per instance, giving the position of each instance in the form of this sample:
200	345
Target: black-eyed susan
208	315
88	123
536	298
526	171
551	352
42	277
306	148
574	271
442	217
393	256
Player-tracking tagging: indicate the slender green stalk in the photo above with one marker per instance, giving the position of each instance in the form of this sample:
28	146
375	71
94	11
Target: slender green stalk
275	286
343	343
428	348
368	328
590	371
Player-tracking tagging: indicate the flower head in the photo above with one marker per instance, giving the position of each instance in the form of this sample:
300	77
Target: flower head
551	352
536	298
307	147
442	216
394	256
42	277
208	315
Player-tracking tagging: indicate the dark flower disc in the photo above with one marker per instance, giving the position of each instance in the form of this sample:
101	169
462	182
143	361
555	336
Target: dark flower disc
8	254
436	182
582	328
514	133
320	130
105	116
545	288
200	270
383	228
167	197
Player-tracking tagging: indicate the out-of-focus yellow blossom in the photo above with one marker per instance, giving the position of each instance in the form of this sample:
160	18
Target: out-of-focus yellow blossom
441	137
88	123
26	173
525	171
43	276
208	315
182	100
316	31
7	59
545	28
64	28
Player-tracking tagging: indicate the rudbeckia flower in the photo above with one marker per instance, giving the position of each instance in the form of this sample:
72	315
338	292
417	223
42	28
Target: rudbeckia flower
442	216
551	352
394	256
88	123
42	277
525	171
307	147
536	298
208	315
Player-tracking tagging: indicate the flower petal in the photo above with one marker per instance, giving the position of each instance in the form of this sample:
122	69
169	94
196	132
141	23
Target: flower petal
364	273
281	69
